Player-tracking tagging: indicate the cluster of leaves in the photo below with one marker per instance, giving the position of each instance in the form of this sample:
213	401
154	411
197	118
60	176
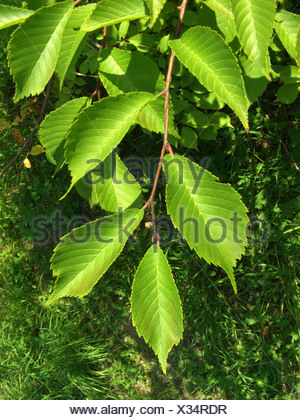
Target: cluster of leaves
224	58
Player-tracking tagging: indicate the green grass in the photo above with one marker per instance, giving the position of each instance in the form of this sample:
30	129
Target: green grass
243	347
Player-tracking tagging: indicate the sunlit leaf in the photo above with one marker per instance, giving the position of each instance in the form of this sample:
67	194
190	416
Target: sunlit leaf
227	27
287	26
34	48
99	129
110	12
254	22
223	7
208	57
210	216
10	16
126	71
155	304
54	140
71	41
155	7
84	255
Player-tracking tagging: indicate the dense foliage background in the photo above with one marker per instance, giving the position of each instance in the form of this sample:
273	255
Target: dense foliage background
243	347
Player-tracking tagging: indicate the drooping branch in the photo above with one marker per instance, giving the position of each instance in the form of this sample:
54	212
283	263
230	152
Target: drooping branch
166	145
35	128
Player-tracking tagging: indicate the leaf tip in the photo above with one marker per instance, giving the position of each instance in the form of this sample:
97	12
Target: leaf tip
49	302
163	364
64	196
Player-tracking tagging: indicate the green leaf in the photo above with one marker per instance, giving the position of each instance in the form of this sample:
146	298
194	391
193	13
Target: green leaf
10	16
110	12
179	103
288	93
37	4
152	117
210	59
254	78
111	185
210	216
227	27
155	7
37	150
190	18
71	41
155	304
34	48
223	7
123	29
287	27
84	255
163	44
209	101
290	75
220	119
195	119
254	21
55	127
143	42
189	137
99	129
126	71
208	133
4	124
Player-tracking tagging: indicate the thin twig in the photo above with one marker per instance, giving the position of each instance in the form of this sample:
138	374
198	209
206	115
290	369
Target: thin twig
98	90
33	132
166	92
76	2
105	44
166	145
170	150
155	233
